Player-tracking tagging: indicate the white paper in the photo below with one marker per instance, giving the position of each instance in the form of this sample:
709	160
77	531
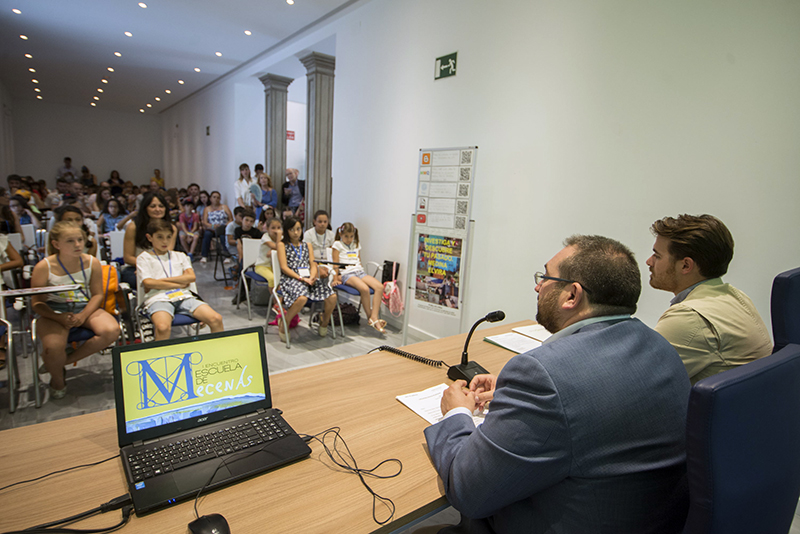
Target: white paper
428	404
514	342
536	331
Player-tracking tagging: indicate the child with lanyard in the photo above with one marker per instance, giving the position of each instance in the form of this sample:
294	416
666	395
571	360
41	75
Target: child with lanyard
300	281
321	239
168	279
346	249
59	312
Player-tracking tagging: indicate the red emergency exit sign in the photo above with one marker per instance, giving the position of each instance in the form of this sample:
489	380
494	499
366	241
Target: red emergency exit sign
290	135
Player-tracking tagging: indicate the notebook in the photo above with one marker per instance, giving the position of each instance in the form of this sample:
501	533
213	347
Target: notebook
195	407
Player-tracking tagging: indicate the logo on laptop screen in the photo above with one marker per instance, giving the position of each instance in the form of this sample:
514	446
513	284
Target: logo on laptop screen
165	380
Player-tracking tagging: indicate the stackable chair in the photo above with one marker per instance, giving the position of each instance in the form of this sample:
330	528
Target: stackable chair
250	251
221	255
275	299
785	308
141	318
344	288
742	443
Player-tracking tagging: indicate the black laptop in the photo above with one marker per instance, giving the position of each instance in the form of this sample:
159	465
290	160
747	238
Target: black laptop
195	407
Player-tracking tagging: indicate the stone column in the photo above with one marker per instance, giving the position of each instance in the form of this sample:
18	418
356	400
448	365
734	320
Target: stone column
319	134
276	91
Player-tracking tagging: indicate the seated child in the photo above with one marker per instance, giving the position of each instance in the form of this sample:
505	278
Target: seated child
189	225
246	231
168	279
230	231
269	242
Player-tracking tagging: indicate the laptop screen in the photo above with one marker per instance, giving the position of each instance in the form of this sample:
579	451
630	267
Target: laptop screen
168	386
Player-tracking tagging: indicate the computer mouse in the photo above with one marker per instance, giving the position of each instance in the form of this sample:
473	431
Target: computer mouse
209	524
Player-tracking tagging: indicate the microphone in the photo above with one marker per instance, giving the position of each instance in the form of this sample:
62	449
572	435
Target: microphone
467	370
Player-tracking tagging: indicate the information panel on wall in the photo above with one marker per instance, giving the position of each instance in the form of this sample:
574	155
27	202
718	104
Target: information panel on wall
444	205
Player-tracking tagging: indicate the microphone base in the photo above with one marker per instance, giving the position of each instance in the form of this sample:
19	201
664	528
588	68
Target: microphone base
465	371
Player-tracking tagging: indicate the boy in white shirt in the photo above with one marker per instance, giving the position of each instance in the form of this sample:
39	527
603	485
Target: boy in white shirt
320	238
168	282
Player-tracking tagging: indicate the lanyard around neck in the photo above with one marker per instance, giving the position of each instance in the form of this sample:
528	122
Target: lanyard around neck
85	294
169	259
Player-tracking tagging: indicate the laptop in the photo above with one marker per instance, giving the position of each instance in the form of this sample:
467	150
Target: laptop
197	412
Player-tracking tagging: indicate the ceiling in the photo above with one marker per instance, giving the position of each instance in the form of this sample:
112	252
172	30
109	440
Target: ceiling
73	44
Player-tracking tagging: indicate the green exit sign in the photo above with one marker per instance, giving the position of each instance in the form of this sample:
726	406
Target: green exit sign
445	66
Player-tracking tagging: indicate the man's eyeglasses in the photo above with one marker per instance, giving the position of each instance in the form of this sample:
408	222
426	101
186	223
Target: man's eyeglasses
540	277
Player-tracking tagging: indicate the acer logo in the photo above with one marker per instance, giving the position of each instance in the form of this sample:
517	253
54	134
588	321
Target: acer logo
202	419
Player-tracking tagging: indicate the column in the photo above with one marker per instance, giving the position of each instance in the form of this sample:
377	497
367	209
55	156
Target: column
276	90
319	134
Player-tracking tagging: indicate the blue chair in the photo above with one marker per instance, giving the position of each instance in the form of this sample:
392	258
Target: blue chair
743	448
250	252
141	318
785	308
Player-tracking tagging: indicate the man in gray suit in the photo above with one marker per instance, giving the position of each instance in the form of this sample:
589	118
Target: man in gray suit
585	433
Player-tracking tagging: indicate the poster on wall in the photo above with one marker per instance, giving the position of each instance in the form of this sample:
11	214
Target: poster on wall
442	215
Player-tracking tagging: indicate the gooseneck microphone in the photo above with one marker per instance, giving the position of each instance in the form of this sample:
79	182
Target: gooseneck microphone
467	370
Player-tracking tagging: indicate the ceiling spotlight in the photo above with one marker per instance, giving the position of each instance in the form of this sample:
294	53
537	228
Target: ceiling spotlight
158	99
180	82
31	69
197	69
28	56
128	34
118	54
142	5
141	110
96	98
23	37
93	104
219	54
104	80
290	2
168	91
39	97
16	11
110	69
34	80
99	90
37	89
149	105
248	32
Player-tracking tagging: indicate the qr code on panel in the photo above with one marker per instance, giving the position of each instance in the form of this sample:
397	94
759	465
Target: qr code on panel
465	173
466	157
461	207
463	190
461	223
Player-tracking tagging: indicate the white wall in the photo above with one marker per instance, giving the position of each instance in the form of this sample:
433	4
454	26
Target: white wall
6	134
296	149
102	140
590	117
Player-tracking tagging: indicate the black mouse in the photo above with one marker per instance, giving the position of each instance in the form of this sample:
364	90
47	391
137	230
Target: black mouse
209	524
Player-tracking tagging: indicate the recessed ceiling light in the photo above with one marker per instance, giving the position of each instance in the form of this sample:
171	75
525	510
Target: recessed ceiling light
34	80
219	54
96	98
290	2
180	82
31	69
16	11
149	105
37	89
128	34
99	90
141	110
118	54
168	91
92	104
142	5
197	69
110	69
39	97
104	80
158	99
23	37
248	32
28	56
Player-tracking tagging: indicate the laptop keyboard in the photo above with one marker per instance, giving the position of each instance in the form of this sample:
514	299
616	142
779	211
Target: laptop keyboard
158	459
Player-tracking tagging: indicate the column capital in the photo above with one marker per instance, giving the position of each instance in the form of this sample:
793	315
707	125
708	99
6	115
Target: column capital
317	63
273	81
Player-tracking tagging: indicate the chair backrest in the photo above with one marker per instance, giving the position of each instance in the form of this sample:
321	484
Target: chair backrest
29	233
743	448
250	250
785	308
16	241
117	244
276	269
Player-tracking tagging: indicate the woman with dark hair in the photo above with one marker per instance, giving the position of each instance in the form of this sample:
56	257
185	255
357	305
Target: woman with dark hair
154	206
215	215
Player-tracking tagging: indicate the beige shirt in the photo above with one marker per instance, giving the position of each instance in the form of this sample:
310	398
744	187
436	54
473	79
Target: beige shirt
714	329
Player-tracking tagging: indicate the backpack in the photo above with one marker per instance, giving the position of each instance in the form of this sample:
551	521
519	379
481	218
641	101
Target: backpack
391	295
110	287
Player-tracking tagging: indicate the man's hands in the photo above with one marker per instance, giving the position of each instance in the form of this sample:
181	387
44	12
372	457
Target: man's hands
479	392
483	388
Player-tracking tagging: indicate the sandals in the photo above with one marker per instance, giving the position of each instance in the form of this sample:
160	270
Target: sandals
281	333
378	325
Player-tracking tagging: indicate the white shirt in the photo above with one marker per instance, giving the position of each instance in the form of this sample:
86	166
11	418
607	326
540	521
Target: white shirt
319	242
171	264
350	255
264	252
242	190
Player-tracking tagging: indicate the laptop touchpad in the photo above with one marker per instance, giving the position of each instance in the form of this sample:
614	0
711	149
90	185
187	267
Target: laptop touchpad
195	477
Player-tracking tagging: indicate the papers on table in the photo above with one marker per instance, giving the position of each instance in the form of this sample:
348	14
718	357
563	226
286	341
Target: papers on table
427	404
535	331
520	339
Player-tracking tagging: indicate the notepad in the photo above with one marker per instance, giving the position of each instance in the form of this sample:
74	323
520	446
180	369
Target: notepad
427	404
514	342
535	331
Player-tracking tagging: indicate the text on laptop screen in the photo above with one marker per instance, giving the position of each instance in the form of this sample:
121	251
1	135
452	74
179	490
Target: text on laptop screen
162	385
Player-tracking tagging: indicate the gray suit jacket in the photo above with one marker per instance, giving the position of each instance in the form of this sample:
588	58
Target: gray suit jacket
585	434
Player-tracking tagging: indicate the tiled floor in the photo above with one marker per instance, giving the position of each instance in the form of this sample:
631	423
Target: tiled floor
90	386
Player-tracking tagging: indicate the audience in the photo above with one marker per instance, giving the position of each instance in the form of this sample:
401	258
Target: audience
242	187
67	171
294	191
216	215
22	210
189	226
154	206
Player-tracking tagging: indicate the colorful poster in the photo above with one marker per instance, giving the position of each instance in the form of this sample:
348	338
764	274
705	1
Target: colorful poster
438	273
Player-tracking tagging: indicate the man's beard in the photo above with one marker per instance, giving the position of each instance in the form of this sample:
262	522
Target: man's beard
546	311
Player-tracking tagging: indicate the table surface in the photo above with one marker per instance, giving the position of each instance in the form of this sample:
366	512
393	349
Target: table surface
357	394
